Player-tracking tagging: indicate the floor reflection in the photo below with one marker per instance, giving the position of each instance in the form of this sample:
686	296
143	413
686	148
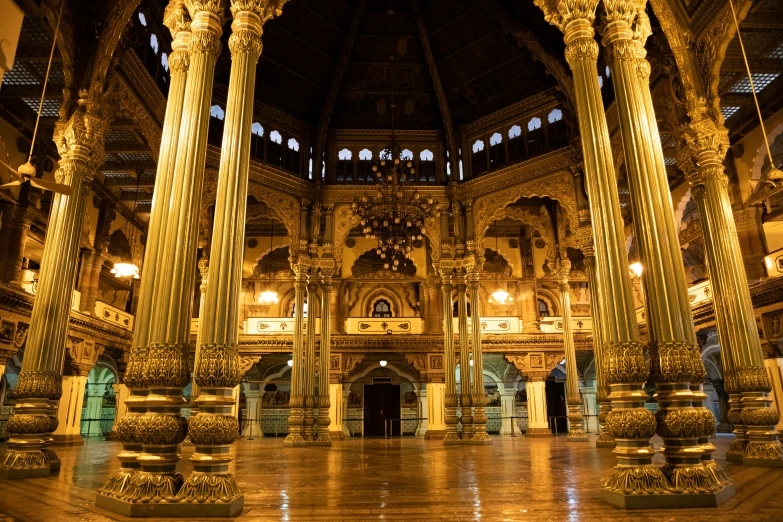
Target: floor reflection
402	479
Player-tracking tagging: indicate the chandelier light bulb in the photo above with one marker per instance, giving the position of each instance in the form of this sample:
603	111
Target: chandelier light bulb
383	163
364	198
396	262
413	171
375	168
383	363
637	269
383	255
397	220
268	297
396	161
409	224
378	251
386	266
429	200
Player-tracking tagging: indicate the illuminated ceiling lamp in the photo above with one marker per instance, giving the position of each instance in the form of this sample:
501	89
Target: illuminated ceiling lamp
500	295
637	269
383	363
269	296
127	268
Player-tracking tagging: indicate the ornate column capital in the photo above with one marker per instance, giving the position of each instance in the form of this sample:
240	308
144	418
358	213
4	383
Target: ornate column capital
706	144
560	13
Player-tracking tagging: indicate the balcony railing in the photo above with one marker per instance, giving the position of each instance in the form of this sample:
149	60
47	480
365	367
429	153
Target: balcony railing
494	325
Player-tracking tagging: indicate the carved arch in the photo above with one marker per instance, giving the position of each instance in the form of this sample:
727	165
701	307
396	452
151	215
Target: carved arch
382	292
285	207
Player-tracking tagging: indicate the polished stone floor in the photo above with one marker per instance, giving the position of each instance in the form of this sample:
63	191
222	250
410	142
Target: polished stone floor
400	479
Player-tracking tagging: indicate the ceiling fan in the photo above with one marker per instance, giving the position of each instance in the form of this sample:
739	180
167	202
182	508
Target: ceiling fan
26	172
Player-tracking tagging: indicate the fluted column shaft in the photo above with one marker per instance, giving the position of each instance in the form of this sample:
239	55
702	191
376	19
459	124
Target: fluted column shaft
217	370
449	361
623	355
40	381
576	431
466	389
479	396
310	400
741	352
675	356
296	417
324	402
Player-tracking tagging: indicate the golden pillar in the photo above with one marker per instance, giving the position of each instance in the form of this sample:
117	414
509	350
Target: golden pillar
449	360
466	419
479	396
324	402
584	240
623	355
576	431
80	143
675	355
745	375
295	435
310	399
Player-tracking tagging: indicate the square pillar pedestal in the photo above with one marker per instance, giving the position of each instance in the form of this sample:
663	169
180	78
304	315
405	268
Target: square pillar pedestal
537	421
69	412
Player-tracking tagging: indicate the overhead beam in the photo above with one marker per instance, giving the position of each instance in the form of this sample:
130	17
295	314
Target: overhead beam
762	65
127	147
54	92
737	100
307	44
526	37
130	181
293	72
448	125
484	72
334	87
304	6
450	22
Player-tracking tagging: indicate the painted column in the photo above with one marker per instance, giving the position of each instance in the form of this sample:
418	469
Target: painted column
121	394
623	355
253	421
436	410
775	372
449	360
466	419
537	419
478	395
13	237
422	407
675	357
576	431
80	143
507	410
91	271
336	411
295	435
324	393
746	379
69	413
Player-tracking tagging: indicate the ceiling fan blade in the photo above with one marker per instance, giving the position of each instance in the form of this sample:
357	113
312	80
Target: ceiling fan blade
11	184
51	186
9	167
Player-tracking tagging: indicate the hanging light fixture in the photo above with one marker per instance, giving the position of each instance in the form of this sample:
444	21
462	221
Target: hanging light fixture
637	269
127	268
500	295
269	295
394	214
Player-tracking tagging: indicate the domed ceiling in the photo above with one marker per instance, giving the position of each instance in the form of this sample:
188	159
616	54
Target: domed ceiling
340	59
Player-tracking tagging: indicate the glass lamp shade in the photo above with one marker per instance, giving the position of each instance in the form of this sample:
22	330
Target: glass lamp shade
268	297
125	270
501	296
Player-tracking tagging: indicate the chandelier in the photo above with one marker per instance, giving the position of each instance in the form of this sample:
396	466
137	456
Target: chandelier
395	213
126	267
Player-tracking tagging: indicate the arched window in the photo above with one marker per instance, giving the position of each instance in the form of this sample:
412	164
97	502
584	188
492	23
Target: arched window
461	174
558	135
479	158
154	43
381	308
217	112
426	166
364	166
292	156
455	310
497	151
535	137
257	141
293	309
143	19
164	61
344	165
543	309
600	81
407	154
516	145
274	149
608	72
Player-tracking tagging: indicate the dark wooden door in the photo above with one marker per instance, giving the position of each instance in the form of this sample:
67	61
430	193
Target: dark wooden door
556	406
381	404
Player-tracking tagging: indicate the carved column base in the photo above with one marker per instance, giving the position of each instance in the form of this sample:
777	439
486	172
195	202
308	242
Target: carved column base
186	510
759	419
308	428
295	437
605	439
737	449
28	452
480	435
452	435
576	431
322	435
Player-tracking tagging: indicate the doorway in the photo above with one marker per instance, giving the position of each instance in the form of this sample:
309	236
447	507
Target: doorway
381	404
556	406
